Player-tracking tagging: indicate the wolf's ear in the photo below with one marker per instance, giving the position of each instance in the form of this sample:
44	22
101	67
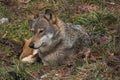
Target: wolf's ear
50	16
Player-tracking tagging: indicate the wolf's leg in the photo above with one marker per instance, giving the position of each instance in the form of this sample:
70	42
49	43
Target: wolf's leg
54	58
42	58
59	57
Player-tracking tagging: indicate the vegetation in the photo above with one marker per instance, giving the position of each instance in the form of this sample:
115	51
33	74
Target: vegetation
100	17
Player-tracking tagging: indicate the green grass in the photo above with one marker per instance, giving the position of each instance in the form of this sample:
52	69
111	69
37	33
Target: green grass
4	12
5	50
15	32
20	68
99	18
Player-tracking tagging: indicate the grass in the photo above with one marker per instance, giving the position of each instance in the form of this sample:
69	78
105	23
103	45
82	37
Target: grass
98	2
99	18
4	12
19	68
18	28
15	32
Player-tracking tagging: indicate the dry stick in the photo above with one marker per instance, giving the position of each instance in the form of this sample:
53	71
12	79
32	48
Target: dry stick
32	76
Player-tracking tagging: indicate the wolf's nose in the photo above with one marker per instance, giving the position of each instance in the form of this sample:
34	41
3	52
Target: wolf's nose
31	45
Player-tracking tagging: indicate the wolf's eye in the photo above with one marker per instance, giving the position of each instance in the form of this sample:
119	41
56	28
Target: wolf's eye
41	30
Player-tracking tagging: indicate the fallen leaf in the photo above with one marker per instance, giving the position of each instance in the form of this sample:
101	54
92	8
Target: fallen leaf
1	53
87	52
41	6
95	56
87	8
24	1
111	56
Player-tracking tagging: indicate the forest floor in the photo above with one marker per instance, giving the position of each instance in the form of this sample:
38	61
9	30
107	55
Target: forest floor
102	17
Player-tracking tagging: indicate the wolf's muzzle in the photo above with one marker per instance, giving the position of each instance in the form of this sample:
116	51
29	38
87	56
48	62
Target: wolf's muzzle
31	45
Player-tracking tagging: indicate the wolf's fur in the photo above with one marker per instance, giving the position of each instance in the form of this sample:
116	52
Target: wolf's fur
28	53
56	40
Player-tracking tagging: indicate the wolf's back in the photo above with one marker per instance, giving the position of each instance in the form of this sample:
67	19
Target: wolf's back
76	37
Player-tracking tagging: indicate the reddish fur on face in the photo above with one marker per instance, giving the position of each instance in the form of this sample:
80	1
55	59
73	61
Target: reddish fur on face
26	49
34	38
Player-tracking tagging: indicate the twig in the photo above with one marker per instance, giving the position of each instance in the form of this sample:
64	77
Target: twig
32	76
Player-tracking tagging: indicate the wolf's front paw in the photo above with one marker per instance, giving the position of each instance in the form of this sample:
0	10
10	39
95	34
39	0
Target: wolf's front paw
45	63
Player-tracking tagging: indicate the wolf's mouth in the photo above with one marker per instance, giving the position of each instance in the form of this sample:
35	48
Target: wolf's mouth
33	45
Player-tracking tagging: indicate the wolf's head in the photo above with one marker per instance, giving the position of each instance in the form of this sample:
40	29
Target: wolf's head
45	29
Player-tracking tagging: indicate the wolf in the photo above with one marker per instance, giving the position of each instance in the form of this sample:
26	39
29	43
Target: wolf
57	41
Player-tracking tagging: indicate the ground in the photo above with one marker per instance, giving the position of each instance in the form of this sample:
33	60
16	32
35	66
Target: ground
99	17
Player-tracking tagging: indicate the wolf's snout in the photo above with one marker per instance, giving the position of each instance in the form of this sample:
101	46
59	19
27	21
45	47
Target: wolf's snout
31	45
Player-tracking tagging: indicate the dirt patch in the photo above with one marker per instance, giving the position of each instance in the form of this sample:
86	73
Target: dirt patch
85	8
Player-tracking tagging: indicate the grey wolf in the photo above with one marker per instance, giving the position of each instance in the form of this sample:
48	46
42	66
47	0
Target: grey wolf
57	41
